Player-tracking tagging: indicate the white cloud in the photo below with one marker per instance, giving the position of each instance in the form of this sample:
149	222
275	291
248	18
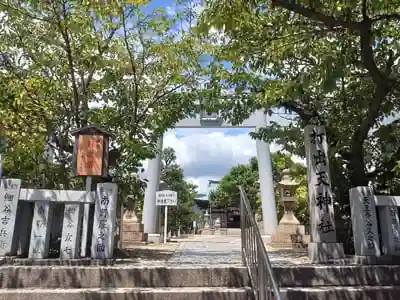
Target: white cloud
210	154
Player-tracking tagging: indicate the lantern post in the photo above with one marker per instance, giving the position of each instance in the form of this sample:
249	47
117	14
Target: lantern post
90	159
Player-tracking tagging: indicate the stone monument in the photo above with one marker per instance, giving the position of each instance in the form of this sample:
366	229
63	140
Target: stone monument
324	245
9	195
104	221
290	233
390	229
364	222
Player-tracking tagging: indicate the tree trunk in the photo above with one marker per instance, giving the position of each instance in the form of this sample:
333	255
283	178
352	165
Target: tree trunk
356	166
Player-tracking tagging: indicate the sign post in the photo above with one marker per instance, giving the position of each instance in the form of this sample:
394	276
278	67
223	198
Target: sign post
166	198
165	223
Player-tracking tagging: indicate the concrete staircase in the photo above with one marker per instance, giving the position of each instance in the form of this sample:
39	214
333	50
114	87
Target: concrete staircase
339	282
123	282
130	282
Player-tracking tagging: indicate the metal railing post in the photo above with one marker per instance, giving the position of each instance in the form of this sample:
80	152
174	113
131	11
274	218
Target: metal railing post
261	277
254	254
242	230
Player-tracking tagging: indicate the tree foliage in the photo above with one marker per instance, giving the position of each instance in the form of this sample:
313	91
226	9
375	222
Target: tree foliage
334	63
65	64
227	193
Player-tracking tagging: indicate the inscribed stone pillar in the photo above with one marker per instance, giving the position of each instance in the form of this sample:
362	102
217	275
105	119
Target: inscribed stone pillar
390	229
9	196
364	221
70	231
104	221
323	244
41	228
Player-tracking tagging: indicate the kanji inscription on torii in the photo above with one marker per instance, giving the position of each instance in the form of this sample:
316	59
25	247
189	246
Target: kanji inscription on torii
319	185
9	196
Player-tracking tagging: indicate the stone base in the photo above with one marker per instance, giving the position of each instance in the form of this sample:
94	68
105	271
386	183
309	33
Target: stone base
288	236
266	239
154	238
132	233
324	252
207	231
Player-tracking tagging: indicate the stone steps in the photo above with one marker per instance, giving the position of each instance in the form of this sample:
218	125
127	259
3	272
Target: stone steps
339	282
337	275
123	276
187	293
123	282
341	293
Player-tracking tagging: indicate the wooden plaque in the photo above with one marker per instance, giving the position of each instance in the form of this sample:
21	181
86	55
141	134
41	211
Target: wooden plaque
89	159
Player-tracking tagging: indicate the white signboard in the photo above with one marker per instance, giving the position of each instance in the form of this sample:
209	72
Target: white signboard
166	198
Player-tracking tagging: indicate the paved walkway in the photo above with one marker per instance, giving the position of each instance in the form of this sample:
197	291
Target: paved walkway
208	250
226	250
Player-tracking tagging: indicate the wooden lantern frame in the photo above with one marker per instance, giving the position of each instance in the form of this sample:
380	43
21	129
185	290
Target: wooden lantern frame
92	130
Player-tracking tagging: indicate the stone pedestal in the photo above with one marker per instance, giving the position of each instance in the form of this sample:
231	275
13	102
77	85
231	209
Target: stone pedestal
288	236
323	252
132	230
154	238
290	233
208	231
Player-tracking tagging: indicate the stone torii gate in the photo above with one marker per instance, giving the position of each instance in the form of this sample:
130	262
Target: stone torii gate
212	120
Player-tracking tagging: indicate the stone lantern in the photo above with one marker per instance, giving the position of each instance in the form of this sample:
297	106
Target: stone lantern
287	188
289	233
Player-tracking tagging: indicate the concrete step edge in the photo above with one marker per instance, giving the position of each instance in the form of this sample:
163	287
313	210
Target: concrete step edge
128	294
327	267
341	293
340	288
124	267
169	290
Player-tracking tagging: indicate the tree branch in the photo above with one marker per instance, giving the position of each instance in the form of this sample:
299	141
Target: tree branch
68	49
387	17
312	14
133	69
155	101
364	9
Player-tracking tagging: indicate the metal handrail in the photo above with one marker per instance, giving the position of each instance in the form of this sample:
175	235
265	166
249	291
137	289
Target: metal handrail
254	254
